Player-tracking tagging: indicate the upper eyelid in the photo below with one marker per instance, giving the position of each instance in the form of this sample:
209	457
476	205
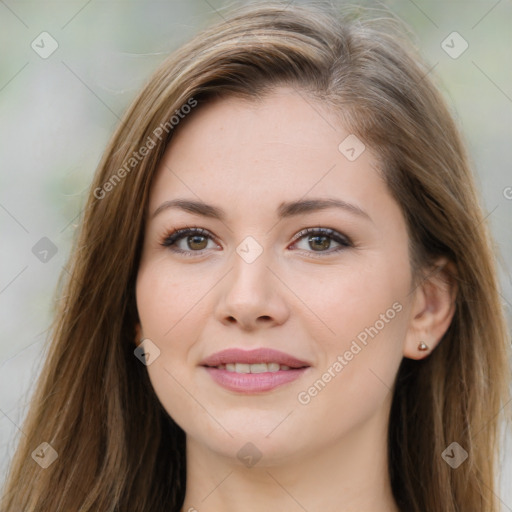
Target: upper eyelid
322	230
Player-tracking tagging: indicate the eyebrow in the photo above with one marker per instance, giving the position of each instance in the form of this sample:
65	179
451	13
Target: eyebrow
286	209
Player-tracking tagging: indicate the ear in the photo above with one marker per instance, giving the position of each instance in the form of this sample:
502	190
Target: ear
432	310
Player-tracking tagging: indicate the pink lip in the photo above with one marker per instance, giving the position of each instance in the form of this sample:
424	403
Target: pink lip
253	382
259	355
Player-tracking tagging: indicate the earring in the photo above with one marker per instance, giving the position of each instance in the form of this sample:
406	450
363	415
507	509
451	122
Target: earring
422	346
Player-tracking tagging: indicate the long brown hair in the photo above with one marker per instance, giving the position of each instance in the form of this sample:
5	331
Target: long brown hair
118	449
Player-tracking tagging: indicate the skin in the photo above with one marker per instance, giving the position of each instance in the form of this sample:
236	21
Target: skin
247	158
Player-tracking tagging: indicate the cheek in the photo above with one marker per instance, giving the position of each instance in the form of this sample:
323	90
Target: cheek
172	312
161	304
356	377
167	299
363	312
341	302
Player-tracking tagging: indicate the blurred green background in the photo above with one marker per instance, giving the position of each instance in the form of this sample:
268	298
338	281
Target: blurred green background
57	114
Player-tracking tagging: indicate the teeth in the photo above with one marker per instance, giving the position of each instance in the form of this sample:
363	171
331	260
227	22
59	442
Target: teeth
257	368
253	368
242	368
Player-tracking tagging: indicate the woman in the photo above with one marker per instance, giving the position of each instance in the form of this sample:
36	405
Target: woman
282	297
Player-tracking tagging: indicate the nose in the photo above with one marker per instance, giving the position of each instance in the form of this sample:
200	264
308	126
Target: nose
252	296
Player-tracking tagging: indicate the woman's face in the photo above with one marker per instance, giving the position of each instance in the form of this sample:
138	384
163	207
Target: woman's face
338	301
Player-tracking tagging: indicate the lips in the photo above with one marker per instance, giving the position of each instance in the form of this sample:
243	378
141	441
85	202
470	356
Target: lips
261	355
253	371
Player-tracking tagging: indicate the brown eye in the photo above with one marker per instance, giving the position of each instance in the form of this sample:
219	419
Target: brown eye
197	242
321	239
188	241
319	242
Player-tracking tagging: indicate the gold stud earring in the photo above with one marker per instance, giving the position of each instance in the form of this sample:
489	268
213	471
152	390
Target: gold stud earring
422	346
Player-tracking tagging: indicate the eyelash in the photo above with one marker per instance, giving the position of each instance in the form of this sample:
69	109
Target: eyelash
170	239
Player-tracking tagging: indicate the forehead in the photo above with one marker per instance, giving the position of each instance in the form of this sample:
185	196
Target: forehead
253	154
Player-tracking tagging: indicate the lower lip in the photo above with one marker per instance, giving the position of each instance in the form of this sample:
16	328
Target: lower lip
253	382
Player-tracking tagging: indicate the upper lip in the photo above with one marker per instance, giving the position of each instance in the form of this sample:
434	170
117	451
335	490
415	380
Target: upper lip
260	355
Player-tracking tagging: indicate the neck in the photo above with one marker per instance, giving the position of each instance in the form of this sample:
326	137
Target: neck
350	475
